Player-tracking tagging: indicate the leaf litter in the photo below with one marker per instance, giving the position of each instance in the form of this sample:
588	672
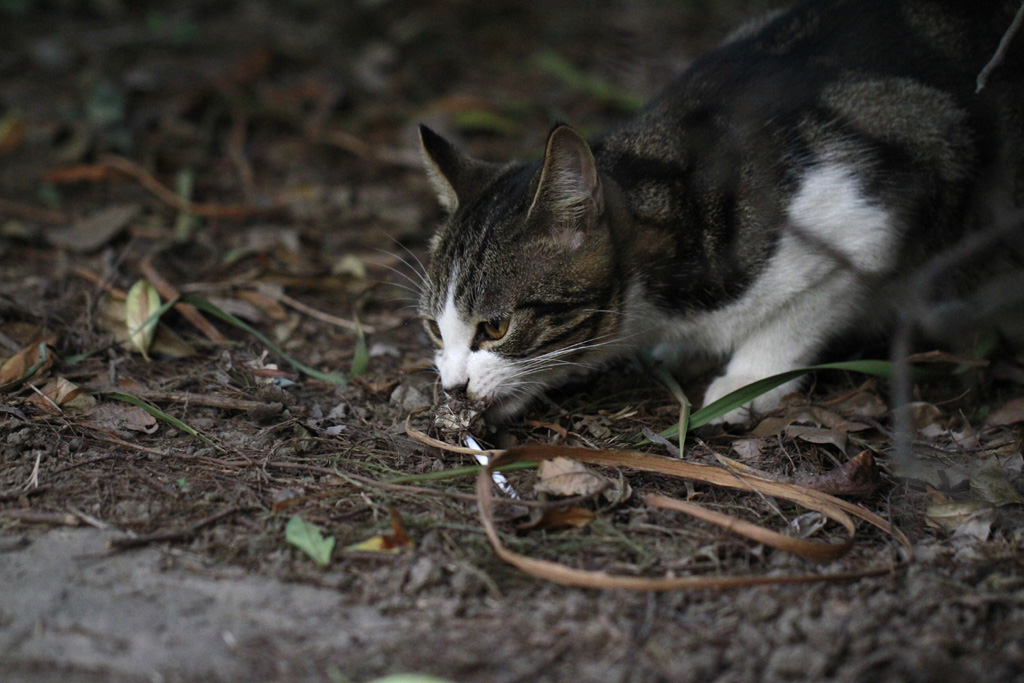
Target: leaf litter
246	394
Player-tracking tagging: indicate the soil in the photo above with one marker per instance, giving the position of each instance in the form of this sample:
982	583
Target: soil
262	157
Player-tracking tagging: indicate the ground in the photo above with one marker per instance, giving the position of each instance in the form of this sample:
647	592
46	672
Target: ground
262	158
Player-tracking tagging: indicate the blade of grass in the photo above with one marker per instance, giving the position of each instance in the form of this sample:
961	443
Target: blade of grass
361	356
744	395
204	305
160	415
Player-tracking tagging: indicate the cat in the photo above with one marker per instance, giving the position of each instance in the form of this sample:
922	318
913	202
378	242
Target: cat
756	211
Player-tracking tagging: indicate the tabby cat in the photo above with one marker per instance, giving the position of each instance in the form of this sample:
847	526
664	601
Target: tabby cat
755	212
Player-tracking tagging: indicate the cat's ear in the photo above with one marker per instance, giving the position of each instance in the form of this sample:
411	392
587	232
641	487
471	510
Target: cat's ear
454	175
569	192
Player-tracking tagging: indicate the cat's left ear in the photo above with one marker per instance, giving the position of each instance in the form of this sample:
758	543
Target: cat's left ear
569	192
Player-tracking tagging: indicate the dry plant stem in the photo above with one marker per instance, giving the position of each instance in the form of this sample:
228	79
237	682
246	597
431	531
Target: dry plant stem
832	507
146	179
1004	45
319	315
189	312
36	517
173	534
33	213
17	494
206	400
92	277
423	490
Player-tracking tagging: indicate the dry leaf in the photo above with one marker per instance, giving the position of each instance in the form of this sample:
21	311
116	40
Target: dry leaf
863	404
121	417
950	516
856	477
386	543
1011	412
818	435
565	477
748	449
142	302
990	483
574	517
61	394
17	365
89	234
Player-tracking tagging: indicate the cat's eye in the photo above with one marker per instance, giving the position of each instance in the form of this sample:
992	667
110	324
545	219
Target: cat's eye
495	329
435	331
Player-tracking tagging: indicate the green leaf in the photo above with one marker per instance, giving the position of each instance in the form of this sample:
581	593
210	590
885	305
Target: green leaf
744	395
307	538
361	357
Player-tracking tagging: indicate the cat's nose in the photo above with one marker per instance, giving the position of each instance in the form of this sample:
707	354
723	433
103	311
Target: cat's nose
457	391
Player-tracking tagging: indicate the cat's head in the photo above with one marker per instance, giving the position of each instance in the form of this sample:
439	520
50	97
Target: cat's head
521	288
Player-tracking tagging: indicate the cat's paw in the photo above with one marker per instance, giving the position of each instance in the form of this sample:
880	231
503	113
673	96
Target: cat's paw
746	413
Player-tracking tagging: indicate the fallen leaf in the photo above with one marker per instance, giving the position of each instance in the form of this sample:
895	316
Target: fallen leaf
17	366
12	131
65	395
977	525
574	517
863	404
139	309
818	435
121	417
925	418
307	538
748	449
565	477
393	542
91	233
950	516
1011	412
990	483
856	477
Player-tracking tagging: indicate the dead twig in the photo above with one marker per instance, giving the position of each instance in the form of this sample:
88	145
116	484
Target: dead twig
188	311
1000	53
173	534
36	517
33	213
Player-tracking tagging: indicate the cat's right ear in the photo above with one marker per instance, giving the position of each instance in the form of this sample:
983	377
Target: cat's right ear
454	175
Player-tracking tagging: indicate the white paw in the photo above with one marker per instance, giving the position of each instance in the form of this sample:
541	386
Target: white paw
745	413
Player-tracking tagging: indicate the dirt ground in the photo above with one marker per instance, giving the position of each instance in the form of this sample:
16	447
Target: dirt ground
262	157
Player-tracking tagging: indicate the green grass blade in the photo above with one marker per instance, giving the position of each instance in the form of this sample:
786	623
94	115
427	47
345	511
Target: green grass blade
160	415
744	395
204	305
361	357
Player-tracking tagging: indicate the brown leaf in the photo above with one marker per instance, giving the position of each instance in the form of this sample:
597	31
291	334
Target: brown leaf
386	543
748	449
91	233
949	516
1011	412
59	394
990	483
574	517
818	435
862	404
565	477
16	366
121	417
856	477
